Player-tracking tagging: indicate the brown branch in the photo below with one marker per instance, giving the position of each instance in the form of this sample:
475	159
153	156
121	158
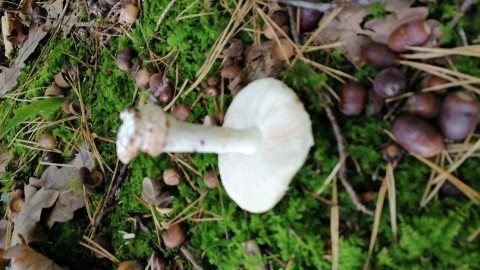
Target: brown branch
342	172
324	7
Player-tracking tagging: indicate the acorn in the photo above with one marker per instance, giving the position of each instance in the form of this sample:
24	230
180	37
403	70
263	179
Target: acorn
103	241
158	262
142	78
124	58
155	81
271	32
166	95
129	13
75	108
309	18
235	50
39	15
61	81
210	179
283	50
431	81
66	106
181	112
51	157
280	17
424	104
458	115
171	176
352	98
16	204
174	236
389	83
375	103
131	265
230	72
54	91
413	33
418	136
379	55
95	179
450	190
82	175
211	91
213	81
47	141
392	153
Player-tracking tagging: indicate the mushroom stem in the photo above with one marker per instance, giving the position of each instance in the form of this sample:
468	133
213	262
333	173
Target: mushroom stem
153	131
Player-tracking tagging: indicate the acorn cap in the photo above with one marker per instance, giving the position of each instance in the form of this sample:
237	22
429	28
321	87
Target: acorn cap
174	236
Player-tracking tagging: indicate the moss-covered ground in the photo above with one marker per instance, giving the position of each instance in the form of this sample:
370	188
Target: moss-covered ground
296	234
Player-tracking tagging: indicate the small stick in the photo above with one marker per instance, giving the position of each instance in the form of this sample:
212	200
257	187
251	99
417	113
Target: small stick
189	256
342	172
467	4
324	7
293	25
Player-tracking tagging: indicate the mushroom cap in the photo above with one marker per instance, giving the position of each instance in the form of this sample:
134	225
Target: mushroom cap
257	182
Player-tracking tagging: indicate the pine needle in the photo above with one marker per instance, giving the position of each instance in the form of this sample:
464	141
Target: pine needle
335	227
392	200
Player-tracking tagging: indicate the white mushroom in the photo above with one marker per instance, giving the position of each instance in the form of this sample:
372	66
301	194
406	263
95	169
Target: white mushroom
264	141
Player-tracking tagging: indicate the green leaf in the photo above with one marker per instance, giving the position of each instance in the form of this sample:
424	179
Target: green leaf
44	107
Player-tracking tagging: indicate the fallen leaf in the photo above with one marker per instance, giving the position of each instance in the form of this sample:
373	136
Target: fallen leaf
26	258
382	28
347	26
26	222
5	32
9	76
62	180
4	157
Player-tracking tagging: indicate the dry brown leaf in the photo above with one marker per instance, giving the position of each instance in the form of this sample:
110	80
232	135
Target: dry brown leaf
347	26
4	157
26	258
26	222
403	13
62	179
3	232
9	76
5	32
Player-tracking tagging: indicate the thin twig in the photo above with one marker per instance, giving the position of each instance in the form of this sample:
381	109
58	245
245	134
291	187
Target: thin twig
467	4
324	7
189	256
293	25
342	172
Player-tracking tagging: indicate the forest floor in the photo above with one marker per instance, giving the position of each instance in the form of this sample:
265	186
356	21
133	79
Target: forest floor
348	207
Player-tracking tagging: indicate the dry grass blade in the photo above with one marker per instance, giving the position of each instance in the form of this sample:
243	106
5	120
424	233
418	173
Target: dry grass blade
376	222
335	227
428	53
179	216
329	71
392	200
164	13
330	177
320	28
94	246
465	189
239	15
444	73
473	235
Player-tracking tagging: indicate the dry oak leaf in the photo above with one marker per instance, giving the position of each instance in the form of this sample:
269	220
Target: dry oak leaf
9	75
27	221
347	26
26	258
62	180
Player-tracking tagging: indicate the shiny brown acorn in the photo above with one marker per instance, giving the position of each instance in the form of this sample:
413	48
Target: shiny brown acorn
389	83
413	33
379	55
458	115
352	98
424	104
418	136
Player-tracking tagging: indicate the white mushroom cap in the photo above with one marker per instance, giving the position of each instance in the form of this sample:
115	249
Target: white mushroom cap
258	181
